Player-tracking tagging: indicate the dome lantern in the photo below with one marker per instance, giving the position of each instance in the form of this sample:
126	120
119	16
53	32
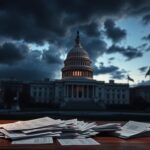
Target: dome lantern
77	40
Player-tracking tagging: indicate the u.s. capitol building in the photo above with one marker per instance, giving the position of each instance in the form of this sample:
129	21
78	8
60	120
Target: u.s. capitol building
77	88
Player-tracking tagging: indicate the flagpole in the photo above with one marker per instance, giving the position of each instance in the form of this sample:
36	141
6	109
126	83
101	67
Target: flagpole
149	79
148	74
128	82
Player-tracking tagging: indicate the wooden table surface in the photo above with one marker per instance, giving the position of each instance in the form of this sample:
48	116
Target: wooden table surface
107	143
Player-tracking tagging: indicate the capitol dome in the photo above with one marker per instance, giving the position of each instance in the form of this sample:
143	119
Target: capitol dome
77	63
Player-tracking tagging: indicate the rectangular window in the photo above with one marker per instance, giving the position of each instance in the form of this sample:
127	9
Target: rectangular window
74	91
69	91
113	96
108	96
123	96
99	94
40	93
85	91
34	93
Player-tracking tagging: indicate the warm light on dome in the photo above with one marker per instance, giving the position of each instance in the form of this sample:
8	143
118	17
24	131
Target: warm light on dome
77	63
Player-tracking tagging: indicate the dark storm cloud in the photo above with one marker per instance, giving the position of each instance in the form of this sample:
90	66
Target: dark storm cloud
31	68
114	33
119	74
111	59
114	71
95	48
91	29
34	21
129	52
138	7
146	19
105	69
28	65
35	54
51	58
101	64
143	69
146	37
49	20
27	70
144	47
56	21
10	53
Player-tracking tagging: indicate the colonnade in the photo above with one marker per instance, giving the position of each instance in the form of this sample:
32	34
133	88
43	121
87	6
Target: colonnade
77	73
75	91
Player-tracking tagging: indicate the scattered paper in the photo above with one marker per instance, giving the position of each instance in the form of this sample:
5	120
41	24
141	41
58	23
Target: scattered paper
85	141
31	124
46	126
133	128
39	140
18	135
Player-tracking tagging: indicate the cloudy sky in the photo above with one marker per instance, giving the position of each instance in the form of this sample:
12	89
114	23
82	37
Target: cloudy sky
36	35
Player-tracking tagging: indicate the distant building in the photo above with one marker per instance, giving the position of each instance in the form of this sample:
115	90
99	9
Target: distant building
42	91
77	89
10	90
141	93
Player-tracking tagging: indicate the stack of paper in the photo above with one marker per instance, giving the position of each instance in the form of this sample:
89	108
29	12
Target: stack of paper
41	130
134	129
108	127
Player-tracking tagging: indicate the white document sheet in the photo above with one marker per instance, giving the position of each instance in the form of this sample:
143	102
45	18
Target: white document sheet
45	129
133	128
83	141
17	136
108	125
37	140
31	124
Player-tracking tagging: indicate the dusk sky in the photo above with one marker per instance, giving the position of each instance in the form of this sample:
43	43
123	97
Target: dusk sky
36	35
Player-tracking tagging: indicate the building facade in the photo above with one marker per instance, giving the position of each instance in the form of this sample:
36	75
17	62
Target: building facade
140	92
77	88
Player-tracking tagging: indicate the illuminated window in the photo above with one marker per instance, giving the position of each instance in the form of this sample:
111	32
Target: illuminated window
79	73
75	73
